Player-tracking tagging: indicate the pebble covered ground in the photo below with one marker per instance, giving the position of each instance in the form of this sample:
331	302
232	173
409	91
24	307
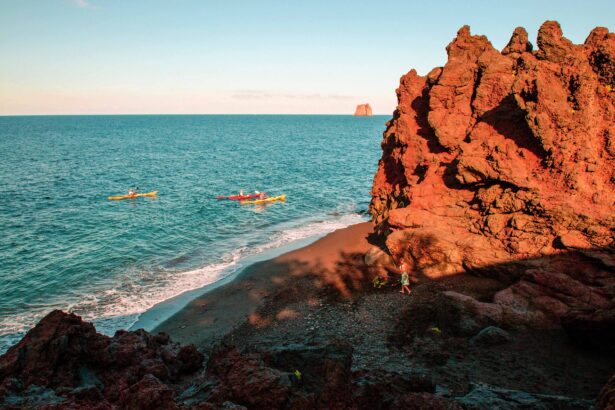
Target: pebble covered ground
372	321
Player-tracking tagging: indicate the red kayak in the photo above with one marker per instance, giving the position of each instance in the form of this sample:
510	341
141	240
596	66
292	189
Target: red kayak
242	197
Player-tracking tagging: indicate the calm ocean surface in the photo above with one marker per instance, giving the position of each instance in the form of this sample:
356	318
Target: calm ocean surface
63	245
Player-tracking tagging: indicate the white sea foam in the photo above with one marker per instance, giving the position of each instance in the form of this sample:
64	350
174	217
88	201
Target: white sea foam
119	307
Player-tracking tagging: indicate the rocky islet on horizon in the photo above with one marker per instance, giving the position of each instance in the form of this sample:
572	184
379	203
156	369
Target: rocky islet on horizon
498	164
363	110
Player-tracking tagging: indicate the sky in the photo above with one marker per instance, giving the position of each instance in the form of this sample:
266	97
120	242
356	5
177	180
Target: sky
244	57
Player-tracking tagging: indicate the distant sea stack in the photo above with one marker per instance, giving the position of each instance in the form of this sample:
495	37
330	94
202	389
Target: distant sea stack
363	110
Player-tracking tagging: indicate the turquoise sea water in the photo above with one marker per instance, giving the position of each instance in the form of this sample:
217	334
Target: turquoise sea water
63	245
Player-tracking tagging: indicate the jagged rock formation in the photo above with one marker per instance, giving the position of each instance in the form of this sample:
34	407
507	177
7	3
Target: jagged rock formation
63	363
363	110
503	164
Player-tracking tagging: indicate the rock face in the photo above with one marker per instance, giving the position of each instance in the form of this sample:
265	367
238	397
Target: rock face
363	110
503	164
63	361
312	376
491	336
606	399
293	376
484	397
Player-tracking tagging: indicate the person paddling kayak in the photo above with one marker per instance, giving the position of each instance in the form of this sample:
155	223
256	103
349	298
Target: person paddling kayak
133	191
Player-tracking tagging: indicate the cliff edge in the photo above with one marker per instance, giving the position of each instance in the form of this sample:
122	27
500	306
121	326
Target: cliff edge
501	164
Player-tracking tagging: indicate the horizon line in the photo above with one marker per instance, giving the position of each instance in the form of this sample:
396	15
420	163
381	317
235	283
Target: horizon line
177	114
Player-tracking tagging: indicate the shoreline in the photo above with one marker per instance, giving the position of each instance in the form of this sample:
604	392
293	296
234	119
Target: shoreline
323	293
320	298
206	318
162	311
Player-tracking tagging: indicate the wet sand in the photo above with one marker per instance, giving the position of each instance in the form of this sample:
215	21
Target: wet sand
208	318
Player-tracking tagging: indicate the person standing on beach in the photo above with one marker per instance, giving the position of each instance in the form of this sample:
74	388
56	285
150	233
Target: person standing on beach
405	279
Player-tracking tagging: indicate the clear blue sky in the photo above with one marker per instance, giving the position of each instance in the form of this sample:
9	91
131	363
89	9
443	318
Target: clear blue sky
198	56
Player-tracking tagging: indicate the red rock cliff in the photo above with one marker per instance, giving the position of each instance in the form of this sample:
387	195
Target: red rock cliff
502	157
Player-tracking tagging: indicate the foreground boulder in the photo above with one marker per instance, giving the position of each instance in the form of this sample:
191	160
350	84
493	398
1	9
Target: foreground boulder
606	399
491	336
503	164
63	361
312	376
309	376
483	397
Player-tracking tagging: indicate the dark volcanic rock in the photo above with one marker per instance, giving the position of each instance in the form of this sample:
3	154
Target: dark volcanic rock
503	164
593	329
424	401
491	336
380	389
148	393
63	360
288	376
606	399
309	376
484	397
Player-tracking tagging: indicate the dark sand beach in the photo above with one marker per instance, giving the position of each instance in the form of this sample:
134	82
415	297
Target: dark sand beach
294	275
324	292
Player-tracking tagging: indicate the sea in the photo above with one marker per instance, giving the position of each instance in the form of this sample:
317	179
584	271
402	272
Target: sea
64	245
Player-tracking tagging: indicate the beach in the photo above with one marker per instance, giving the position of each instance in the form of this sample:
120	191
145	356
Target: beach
206	319
324	292
193	218
66	246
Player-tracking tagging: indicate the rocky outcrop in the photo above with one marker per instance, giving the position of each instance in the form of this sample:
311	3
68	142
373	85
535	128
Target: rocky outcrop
363	110
503	164
313	376
606	399
484	397
63	361
292	376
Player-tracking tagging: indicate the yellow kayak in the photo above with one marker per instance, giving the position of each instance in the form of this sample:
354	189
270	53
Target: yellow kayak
118	197
264	201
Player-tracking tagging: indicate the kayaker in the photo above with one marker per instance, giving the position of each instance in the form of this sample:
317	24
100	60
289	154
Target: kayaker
261	195
133	191
241	192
